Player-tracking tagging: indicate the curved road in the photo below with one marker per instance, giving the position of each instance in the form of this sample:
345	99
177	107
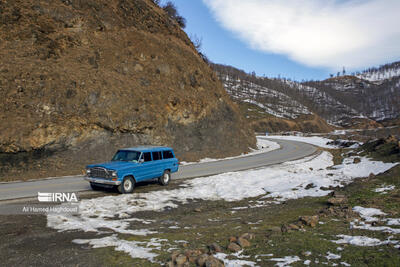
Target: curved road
290	150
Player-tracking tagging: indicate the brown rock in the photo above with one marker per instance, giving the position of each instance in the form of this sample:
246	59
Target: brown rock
138	67
170	264
181	259
337	201
234	247
248	236
356	160
243	242
293	227
174	255
201	260
197	210
213	262
232	239
309	220
194	252
309	186
214	247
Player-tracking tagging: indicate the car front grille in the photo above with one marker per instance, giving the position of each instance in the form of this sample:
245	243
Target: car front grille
100	173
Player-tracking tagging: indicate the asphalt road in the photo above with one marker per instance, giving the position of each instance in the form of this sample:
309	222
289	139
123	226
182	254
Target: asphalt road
290	150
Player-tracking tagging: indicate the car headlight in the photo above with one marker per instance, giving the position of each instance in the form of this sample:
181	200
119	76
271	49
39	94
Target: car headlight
87	171
114	174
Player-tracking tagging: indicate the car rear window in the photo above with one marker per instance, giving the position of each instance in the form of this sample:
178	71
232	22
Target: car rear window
156	155
147	156
167	154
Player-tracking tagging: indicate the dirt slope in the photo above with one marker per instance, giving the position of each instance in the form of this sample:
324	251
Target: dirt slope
79	79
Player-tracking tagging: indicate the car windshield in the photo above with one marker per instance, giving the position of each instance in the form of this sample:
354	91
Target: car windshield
123	155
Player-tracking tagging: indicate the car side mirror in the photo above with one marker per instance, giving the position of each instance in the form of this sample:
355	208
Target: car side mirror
141	160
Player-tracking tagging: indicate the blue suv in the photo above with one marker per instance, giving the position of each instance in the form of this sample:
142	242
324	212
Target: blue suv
131	165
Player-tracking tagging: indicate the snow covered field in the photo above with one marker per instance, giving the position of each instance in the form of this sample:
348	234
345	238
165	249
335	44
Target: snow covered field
306	177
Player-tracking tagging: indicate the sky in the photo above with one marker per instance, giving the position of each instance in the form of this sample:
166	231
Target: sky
296	39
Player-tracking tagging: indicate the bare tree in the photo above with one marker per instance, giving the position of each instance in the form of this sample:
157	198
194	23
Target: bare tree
172	12
197	41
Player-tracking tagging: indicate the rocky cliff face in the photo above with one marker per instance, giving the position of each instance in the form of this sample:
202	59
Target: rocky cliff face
79	79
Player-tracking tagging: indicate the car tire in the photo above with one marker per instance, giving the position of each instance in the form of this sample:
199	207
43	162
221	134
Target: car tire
95	187
165	178
127	185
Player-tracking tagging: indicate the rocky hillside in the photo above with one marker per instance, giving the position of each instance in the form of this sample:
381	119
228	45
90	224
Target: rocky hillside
372	95
79	79
273	105
348	101
384	72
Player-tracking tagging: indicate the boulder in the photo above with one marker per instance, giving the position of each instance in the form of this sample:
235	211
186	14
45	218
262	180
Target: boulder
309	220
234	247
243	242
214	247
181	259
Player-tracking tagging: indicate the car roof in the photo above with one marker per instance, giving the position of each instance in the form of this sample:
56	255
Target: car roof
147	148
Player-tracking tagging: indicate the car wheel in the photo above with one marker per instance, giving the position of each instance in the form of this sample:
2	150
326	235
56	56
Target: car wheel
165	178
95	187
127	185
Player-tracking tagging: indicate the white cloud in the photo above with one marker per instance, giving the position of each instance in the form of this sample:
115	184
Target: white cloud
325	33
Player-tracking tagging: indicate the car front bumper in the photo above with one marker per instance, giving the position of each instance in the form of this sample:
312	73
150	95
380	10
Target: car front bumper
101	181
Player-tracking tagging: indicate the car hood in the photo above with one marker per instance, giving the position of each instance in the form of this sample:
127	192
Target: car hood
114	165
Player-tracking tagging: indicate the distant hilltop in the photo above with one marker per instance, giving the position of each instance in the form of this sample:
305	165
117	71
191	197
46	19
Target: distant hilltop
359	100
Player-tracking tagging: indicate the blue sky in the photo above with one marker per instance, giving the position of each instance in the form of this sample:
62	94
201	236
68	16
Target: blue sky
250	34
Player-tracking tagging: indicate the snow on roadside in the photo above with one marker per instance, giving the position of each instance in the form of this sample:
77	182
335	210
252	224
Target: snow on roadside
284	181
263	146
313	140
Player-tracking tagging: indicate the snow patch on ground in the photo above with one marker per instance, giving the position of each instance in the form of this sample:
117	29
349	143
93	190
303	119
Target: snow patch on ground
368	214
384	189
285	261
263	146
332	256
363	241
233	263
133	248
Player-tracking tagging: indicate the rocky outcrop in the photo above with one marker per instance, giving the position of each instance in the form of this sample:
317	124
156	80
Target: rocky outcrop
80	79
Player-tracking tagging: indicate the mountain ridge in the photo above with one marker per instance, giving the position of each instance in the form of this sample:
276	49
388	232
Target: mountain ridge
345	101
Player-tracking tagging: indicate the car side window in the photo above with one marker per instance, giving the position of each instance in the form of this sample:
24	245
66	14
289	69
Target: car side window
147	156
156	155
167	154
